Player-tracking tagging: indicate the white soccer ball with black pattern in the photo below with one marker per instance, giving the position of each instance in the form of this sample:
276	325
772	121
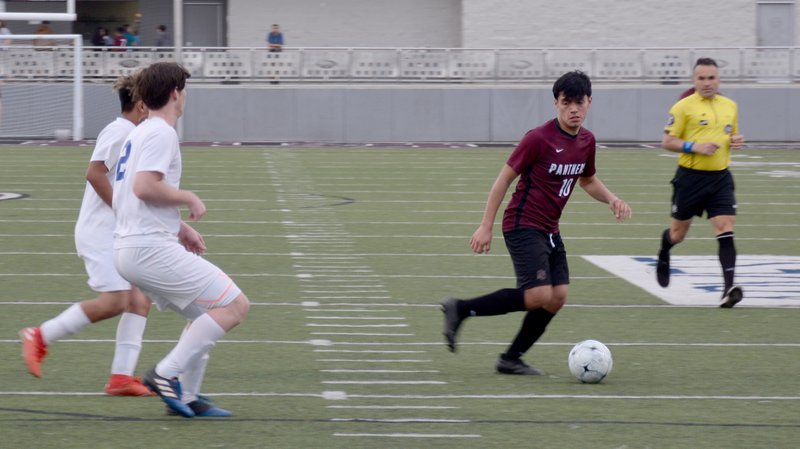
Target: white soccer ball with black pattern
590	361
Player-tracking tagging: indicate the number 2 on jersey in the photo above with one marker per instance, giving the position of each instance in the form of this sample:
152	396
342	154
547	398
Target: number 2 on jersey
126	153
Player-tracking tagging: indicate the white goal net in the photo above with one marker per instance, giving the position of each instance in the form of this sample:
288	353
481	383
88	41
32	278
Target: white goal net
41	94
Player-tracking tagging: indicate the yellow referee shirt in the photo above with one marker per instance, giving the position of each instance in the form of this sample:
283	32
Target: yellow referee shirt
701	120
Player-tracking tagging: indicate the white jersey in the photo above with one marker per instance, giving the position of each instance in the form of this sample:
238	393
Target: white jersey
95	227
152	147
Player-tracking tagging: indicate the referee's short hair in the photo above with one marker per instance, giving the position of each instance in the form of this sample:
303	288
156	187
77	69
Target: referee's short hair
706	61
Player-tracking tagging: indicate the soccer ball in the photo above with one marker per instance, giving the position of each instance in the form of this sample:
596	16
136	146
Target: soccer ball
590	361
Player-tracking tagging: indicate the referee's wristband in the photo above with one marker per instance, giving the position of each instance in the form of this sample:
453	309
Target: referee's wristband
687	146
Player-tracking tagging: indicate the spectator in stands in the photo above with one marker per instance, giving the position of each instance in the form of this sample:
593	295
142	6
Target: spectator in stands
4	31
136	29
99	37
130	35
275	39
43	30
119	37
108	38
275	44
162	38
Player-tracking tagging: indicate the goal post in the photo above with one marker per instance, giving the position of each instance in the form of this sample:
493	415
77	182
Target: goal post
30	16
68	16
32	105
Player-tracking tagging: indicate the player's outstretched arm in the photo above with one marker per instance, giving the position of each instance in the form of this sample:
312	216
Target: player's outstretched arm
597	190
481	241
149	187
191	239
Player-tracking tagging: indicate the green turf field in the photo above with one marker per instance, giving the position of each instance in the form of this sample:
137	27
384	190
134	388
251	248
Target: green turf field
345	254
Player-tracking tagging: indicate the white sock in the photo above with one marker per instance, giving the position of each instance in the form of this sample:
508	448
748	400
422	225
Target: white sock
192	378
129	343
65	324
196	341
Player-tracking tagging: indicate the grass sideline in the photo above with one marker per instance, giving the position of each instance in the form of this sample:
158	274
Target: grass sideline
345	253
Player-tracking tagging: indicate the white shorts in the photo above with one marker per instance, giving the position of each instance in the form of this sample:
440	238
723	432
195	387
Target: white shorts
175	278
103	277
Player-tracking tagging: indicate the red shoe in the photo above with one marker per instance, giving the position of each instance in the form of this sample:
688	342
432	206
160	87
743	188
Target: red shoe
33	349
122	385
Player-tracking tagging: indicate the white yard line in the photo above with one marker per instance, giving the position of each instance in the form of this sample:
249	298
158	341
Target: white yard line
326	395
408	435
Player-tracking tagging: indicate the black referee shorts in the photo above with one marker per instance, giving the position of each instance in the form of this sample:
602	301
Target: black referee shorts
539	257
696	191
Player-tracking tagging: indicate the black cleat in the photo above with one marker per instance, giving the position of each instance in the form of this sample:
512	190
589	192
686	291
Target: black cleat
452	321
516	367
169	390
662	268
731	297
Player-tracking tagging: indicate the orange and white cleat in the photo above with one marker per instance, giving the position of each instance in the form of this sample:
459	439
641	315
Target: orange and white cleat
122	385
33	349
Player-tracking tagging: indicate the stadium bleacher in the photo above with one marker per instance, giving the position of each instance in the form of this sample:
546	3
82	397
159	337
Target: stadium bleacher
408	64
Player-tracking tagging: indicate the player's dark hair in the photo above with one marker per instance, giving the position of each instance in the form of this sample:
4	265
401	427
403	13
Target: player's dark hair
706	61
157	81
125	87
574	85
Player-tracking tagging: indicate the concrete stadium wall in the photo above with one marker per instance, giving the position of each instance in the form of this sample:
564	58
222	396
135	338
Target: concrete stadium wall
473	23
359	114
501	23
603	23
347	23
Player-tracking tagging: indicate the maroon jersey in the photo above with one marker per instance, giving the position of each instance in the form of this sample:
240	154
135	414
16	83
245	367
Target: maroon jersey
549	162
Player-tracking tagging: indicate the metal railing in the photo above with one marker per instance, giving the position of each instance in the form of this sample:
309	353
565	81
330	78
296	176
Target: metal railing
404	65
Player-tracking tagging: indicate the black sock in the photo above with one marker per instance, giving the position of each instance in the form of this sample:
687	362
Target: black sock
727	257
533	327
496	303
666	243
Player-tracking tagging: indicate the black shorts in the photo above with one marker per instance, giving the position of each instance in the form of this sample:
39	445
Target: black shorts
695	191
539	257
